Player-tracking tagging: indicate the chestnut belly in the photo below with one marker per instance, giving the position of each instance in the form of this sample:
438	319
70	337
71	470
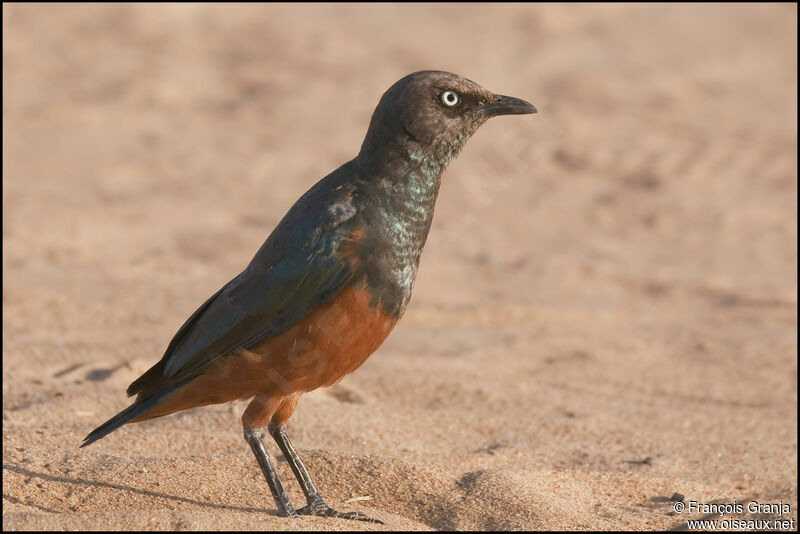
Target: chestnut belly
326	345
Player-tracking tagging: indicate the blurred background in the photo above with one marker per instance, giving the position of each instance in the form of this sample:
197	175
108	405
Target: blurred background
612	280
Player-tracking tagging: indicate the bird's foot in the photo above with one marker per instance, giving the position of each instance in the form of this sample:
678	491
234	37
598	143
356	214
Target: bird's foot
321	509
285	509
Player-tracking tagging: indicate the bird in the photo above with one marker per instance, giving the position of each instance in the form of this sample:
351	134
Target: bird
329	283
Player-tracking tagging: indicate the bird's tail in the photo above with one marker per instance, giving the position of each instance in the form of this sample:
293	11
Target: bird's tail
127	415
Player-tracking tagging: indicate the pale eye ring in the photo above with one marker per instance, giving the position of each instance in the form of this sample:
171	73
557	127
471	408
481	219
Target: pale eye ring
449	98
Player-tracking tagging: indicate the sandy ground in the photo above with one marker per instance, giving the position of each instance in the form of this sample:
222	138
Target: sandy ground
606	310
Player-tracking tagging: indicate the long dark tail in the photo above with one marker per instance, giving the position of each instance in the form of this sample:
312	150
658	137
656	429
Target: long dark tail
125	416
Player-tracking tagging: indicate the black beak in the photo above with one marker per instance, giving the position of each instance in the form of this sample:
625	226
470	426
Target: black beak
507	105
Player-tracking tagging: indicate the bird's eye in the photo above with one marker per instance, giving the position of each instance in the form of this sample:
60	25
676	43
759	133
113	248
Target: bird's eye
449	98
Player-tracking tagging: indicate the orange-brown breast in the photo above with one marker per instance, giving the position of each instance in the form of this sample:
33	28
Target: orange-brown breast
328	344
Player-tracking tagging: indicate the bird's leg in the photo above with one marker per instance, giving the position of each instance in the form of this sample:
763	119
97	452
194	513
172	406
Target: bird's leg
316	505
253	438
313	497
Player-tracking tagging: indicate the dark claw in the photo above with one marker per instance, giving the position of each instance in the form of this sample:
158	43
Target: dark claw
326	511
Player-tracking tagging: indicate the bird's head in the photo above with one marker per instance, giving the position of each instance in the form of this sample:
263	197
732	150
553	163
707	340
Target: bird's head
433	113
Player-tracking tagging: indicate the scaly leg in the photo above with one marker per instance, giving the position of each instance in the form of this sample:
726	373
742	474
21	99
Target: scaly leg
316	505
253	437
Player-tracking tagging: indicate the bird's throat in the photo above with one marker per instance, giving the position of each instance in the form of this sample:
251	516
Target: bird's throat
403	214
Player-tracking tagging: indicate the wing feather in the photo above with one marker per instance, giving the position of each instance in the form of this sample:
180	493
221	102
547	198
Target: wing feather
299	268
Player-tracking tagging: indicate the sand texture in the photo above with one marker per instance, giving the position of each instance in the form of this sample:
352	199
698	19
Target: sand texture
605	313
